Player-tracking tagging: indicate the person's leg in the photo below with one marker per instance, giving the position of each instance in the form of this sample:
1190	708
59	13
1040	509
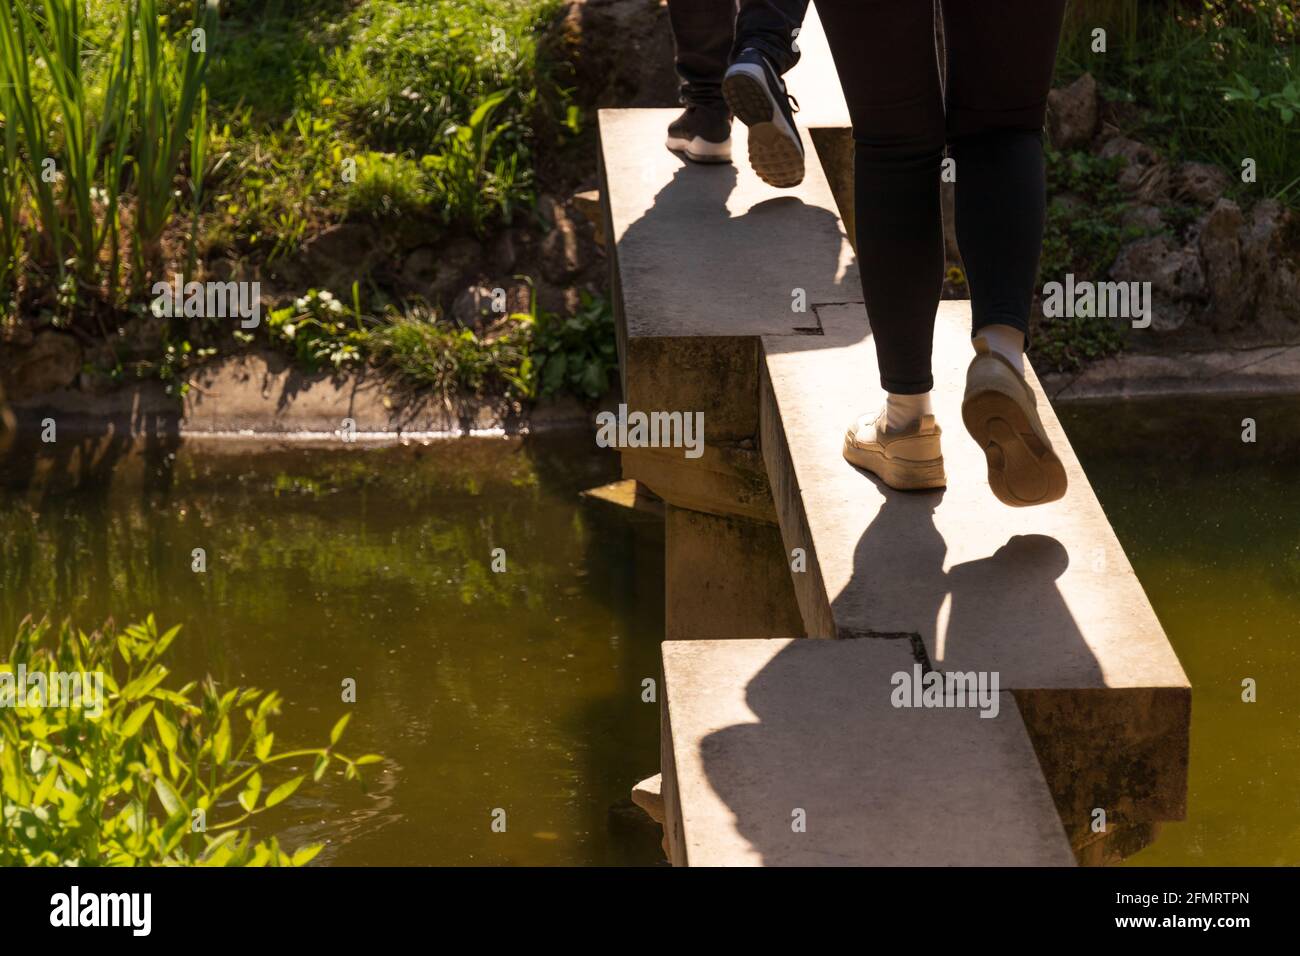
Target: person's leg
703	31
764	49
884	54
770	26
999	73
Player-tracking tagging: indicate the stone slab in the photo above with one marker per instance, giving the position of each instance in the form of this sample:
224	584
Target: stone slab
725	576
693	270
755	730
1045	596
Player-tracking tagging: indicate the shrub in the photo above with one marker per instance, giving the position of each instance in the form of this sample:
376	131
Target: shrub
161	776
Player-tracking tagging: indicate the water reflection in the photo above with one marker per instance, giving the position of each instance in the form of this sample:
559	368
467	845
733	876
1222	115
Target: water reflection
518	690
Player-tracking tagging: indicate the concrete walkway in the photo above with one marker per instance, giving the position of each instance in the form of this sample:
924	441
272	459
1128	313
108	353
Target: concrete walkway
743	302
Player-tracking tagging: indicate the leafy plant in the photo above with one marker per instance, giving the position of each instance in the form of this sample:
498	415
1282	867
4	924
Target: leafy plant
314	328
578	353
168	109
161	776
451	360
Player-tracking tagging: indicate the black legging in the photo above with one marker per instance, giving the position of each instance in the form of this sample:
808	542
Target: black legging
1000	58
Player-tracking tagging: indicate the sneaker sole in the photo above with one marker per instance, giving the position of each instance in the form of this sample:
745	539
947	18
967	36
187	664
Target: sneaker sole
897	473
775	152
1023	469
700	150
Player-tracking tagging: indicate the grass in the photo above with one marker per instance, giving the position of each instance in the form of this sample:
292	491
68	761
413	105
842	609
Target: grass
1209	80
426	110
287	117
97	115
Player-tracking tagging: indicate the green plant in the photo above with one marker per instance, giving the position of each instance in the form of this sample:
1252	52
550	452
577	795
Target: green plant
161	776
470	184
451	360
168	110
1080	237
386	185
578	353
85	103
1211	80
11	186
313	327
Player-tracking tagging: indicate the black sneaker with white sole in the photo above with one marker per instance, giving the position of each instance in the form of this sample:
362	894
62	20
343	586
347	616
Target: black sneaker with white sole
755	93
702	134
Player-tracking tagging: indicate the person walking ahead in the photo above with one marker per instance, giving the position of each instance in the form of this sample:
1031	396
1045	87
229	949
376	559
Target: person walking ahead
731	55
1000	58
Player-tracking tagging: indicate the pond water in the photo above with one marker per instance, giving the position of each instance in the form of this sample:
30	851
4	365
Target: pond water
522	690
518	690
1211	524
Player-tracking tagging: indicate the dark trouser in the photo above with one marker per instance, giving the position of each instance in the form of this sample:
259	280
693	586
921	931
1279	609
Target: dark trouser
709	33
1000	58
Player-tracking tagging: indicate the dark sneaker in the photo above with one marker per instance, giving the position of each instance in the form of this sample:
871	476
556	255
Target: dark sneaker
759	99
701	134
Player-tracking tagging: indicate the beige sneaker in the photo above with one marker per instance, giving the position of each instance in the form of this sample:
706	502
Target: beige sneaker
1001	414
909	459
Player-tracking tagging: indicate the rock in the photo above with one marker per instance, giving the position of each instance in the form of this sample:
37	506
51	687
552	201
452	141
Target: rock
96	376
1143	172
504	254
14	331
1220	242
565	250
436	272
1174	273
337	256
1201	183
621	52
477	306
1072	113
588	203
1270	254
1148	219
648	795
142	336
53	361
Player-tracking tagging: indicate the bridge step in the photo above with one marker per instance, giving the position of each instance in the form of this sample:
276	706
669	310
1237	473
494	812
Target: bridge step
1044	596
790	752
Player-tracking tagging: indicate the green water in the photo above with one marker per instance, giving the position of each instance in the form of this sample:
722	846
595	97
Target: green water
518	690
521	690
1212	527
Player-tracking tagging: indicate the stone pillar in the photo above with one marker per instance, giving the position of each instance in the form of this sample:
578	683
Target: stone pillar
726	577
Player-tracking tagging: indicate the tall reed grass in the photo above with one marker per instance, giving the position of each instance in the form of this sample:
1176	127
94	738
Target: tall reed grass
94	133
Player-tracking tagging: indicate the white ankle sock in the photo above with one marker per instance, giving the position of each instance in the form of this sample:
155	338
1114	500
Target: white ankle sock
1007	341
903	411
